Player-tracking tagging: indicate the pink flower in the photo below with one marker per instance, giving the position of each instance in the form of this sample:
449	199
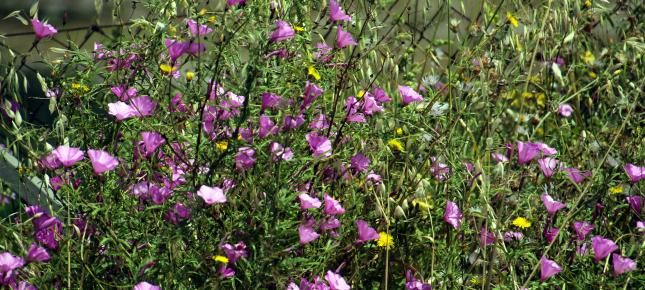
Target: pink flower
359	162
151	141
42	30
142	106
175	48
211	195
320	145
344	38
634	172
124	94
8	263
270	100
225	271
245	158
37	254
50	161
548	268
409	95
576	175
267	127
452	215
548	165
565	110
234	253
68	155
526	152
552	206
622	264
336	282
307	202
146	286
498	157
602	247
312	91
380	96
330	224
197	29
365	232
102	161
332	206
120	110
307	233
283	31
635	202
551	233
336	12
319	122
486	237
582	229
235	2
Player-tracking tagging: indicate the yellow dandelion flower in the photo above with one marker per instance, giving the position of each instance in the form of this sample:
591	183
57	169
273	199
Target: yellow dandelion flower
385	240
166	69
395	145
539	132
202	11
423	206
360	94
592	75
220	259
588	57
587	3
190	75
212	19
521	223
399	131
76	86
475	280
527	95
239	137
541	99
311	71
616	189
511	19
222	145
298	28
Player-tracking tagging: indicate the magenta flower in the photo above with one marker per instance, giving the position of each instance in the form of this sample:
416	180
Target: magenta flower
197	29
359	162
412	283
270	100
548	268
336	12
486	237
332	206
235	2
552	206
151	141
283	31
146	286
120	110
319	122
330	224
526	152
307	233
68	155
635	202
42	30
307	202
245	158
336	282
365	232
380	95
635	173
548	165
602	247
102	161
498	157
509	236
312	91
622	264
582	229
320	145
176	48
409	95
142	106
8	263
211	195
50	161
124	94
576	175
37	254
234	253
452	215
565	110
267	127
551	233
344	38
225	271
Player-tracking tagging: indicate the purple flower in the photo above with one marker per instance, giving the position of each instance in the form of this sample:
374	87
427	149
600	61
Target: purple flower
576	175
245	158
307	202
235	252
344	38
486	237
142	106
175	48
332	206
509	236
634	172
102	161
548	165
267	127
319	122
552	206
146	286
37	254
548	268
452	215
336	282
365	232
120	110
124	94
25	286
283	31
498	157
582	229
565	110
151	141
551	233
211	195
602	247
8	263
412	283
42	30
330	224
320	145
635	202
235	2
359	162
50	161
312	91
68	155
197	29
526	152
408	95
307	233
336	12
622	264
226	272
270	100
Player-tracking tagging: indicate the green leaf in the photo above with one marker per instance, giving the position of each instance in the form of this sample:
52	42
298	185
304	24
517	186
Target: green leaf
33	10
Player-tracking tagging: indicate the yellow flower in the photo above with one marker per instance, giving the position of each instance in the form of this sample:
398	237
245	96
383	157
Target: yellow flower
588	57
202	12
423	206
298	28
212	19
166	69
592	75
399	131
539	131
360	94
222	145
395	145
190	75
540	99
616	189
474	280
76	86
527	95
510	18
385	240
220	259
521	223
587	3
311	71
